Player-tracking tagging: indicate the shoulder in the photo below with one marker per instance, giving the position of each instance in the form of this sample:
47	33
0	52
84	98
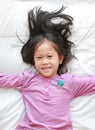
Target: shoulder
71	76
67	76
28	75
74	78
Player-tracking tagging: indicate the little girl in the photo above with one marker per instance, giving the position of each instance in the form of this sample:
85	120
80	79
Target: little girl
47	94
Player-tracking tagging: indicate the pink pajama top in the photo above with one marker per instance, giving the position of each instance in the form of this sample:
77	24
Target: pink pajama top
47	100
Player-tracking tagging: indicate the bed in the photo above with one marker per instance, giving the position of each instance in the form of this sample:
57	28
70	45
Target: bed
13	23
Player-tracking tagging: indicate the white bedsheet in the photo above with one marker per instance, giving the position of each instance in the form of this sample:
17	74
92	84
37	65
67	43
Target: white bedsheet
13	21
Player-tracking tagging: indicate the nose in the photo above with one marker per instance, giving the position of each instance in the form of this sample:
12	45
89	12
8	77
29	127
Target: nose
45	61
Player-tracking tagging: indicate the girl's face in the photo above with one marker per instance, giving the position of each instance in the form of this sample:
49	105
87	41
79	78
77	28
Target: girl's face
47	59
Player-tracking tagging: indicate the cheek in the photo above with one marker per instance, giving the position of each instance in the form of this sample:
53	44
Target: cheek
37	64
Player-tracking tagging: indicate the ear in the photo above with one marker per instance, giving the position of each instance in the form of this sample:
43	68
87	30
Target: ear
61	58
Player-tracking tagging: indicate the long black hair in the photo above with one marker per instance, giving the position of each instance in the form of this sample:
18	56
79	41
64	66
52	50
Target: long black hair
55	27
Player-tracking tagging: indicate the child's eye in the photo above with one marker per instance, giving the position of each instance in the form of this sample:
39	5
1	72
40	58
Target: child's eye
39	57
50	56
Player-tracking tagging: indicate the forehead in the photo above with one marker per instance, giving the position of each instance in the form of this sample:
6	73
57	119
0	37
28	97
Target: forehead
46	45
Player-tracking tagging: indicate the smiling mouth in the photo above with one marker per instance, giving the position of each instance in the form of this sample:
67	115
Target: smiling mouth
46	68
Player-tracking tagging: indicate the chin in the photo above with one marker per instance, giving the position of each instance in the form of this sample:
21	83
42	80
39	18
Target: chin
48	76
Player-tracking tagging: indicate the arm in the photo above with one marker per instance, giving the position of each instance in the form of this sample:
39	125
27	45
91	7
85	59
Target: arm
9	81
15	81
81	85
